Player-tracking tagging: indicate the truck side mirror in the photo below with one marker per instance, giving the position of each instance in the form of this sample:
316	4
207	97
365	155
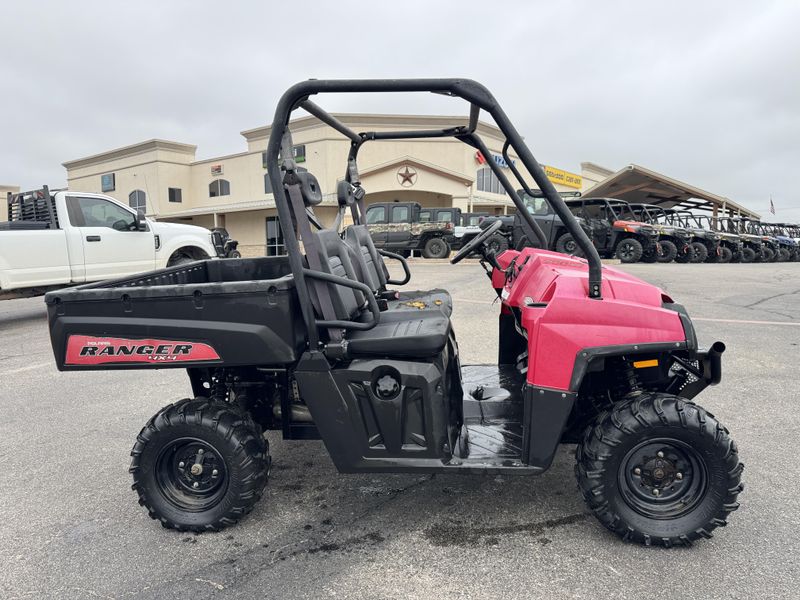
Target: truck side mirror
139	221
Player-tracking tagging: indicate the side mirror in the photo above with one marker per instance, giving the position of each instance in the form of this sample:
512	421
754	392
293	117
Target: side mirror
139	221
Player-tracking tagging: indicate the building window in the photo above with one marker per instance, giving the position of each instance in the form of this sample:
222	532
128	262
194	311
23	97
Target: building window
487	182
267	184
107	182
219	187
138	200
298	154
275	245
175	194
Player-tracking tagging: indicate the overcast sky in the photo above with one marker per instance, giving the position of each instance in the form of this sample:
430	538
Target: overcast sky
707	92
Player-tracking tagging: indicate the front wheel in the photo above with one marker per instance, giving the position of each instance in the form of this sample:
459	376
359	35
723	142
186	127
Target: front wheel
435	248
748	255
629	250
667	251
659	470
699	252
725	254
200	465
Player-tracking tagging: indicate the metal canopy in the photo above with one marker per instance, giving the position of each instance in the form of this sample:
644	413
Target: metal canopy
637	184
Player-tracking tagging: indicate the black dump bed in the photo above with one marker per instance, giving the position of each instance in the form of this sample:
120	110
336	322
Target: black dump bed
211	312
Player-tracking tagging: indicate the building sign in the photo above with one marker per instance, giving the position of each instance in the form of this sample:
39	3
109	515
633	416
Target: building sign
216	170
107	182
498	160
562	177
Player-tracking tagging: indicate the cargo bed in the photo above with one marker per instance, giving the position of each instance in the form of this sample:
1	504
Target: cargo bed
212	312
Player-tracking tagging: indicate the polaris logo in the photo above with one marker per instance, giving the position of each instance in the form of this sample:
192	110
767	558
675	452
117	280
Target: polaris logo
87	350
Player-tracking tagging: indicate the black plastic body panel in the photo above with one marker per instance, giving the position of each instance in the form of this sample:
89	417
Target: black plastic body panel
245	309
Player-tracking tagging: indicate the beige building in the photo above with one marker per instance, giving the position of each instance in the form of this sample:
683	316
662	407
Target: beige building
164	179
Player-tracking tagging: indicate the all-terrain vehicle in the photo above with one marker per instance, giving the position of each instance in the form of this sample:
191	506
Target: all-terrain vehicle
729	245
789	237
770	251
674	240
783	246
225	245
704	243
752	245
315	344
615	230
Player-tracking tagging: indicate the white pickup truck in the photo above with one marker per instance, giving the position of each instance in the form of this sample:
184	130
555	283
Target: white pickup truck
66	238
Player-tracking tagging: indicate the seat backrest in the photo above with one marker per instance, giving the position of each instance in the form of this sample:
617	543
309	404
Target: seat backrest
359	239
335	258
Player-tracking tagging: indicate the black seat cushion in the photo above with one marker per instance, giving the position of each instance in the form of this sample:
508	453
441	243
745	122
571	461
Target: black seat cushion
403	335
423	300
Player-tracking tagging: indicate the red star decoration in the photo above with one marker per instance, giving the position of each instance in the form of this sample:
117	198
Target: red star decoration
407	176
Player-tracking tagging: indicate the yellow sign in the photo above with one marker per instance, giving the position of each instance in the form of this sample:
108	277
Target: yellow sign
562	177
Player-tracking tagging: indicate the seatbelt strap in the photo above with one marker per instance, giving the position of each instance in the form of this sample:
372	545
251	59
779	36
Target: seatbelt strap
312	254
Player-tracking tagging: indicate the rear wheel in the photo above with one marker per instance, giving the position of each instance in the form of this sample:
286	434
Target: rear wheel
435	248
235	254
566	244
725	254
699	252
659	470
748	255
199	465
667	251
629	250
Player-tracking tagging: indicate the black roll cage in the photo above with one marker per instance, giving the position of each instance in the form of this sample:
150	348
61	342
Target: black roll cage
280	161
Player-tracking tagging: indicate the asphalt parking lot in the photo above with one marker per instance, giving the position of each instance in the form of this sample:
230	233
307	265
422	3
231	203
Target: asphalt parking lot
70	526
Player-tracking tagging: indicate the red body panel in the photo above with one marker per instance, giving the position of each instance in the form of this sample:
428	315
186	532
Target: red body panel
93	350
630	312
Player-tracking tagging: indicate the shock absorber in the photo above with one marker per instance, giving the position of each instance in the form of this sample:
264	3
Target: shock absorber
219	390
627	381
632	380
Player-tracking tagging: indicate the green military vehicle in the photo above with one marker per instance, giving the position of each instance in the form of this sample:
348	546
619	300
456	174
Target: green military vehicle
397	227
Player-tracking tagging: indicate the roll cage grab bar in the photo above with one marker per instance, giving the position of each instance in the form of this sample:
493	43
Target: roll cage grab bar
279	158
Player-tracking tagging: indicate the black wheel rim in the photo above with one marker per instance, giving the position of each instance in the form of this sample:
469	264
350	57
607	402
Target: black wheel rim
191	474
436	247
570	246
663	478
626	251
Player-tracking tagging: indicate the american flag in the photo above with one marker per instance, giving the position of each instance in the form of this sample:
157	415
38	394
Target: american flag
771	206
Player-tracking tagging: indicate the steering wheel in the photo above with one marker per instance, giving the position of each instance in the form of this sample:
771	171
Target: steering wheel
477	241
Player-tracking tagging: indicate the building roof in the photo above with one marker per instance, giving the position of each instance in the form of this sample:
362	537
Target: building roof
367	122
132	150
638	184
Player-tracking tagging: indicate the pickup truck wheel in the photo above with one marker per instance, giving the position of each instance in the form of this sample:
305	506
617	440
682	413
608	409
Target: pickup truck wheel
180	259
629	250
200	465
435	248
659	470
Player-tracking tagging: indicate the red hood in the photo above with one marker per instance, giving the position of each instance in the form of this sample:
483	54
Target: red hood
550	293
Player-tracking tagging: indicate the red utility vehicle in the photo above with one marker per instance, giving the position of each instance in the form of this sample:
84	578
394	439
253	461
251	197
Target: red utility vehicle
316	344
